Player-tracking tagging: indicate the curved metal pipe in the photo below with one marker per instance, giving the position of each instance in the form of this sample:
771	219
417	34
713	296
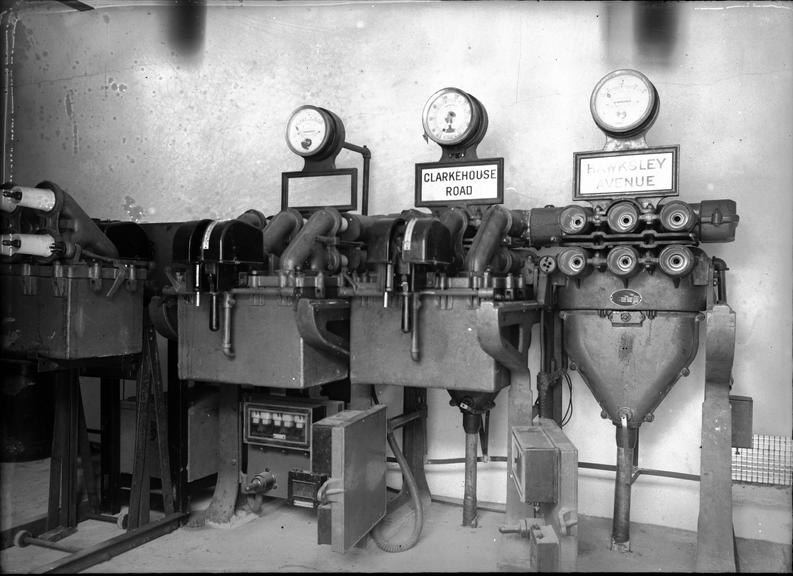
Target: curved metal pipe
456	222
253	218
284	225
325	221
84	231
496	223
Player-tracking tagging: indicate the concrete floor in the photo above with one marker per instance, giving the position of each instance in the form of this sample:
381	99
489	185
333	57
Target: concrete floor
283	539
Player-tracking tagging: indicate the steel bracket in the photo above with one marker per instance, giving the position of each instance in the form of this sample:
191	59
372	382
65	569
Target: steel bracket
313	316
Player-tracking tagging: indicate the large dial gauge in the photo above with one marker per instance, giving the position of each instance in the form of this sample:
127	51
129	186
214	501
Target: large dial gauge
624	103
452	117
310	131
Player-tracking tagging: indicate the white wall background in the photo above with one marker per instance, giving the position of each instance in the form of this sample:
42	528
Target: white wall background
107	108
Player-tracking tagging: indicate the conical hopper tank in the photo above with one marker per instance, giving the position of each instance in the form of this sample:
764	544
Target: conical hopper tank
630	360
631	342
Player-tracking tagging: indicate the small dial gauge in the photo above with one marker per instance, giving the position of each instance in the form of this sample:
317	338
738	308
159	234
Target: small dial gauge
624	103
450	116
308	130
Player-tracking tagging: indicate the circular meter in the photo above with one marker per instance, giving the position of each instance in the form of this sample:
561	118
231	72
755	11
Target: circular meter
452	117
313	131
624	103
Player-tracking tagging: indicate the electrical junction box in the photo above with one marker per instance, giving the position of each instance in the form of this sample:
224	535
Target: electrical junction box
350	447
544	468
535	465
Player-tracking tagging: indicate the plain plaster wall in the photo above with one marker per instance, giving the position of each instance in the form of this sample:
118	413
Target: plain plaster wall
106	106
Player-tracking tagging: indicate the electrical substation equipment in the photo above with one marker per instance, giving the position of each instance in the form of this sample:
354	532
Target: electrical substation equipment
73	304
262	305
449	298
632	288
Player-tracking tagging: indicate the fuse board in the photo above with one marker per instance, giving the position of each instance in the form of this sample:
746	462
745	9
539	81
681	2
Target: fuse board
280	425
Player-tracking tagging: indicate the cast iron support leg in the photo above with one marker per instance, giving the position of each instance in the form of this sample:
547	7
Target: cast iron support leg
150	411
514	552
715	552
141	480
224	500
110	408
89	475
177	431
62	513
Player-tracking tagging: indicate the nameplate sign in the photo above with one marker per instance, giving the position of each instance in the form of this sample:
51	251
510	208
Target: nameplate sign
646	172
466	182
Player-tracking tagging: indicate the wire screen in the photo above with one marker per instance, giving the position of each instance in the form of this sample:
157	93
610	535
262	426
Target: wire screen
769	461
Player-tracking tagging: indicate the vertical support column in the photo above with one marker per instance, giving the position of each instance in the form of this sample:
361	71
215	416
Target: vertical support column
62	507
470	515
715	545
177	426
514	551
141	479
224	500
110	430
621	519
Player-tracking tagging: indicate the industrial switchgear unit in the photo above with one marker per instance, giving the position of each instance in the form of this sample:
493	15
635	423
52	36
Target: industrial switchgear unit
289	321
262	312
632	288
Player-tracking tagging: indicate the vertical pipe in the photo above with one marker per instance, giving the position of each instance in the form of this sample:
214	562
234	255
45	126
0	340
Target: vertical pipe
469	499
228	304
621	529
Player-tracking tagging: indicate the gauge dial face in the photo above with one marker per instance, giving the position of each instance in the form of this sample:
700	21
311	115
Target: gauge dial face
448	116
307	131
622	101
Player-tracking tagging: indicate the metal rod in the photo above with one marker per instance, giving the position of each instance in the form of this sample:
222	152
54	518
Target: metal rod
25	539
639	471
469	499
403	419
101	518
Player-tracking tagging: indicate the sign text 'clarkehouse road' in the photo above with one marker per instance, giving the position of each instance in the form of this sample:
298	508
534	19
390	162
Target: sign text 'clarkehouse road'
460	182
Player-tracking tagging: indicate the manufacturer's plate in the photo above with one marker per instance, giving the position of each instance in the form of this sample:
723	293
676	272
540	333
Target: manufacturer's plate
626	298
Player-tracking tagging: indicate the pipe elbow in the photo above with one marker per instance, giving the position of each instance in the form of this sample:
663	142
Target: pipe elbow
84	231
283	227
497	223
324	222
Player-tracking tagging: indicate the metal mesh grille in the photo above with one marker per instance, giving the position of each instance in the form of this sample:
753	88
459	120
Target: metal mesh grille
769	461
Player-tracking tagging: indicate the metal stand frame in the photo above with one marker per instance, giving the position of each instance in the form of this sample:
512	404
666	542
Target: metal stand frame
70	440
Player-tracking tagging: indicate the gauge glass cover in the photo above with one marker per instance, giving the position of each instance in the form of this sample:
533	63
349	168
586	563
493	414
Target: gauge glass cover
448	117
307	131
622	101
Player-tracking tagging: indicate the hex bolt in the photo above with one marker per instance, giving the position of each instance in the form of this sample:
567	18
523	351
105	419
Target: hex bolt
625	316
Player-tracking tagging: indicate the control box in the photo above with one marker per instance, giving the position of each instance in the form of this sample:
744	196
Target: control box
277	439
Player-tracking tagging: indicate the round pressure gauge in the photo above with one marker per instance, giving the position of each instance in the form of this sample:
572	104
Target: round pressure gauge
452	117
313	131
624	103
